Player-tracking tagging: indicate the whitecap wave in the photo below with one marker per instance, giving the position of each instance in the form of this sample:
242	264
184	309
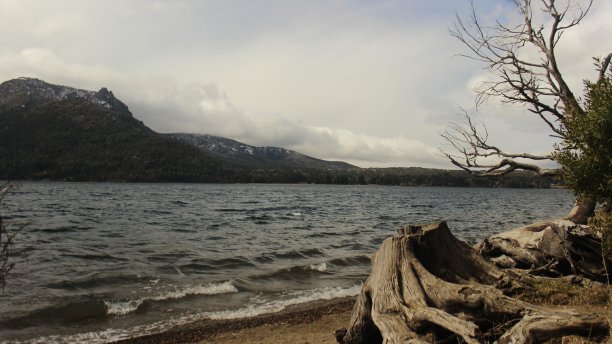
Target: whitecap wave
294	298
263	307
209	289
122	307
126	307
321	267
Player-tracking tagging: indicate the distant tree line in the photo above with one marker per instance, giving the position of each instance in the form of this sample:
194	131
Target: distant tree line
413	176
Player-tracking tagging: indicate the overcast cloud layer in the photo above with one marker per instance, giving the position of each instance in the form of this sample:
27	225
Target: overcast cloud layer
368	82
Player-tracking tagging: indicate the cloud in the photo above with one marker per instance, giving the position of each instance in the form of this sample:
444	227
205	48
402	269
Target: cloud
47	64
368	82
369	151
204	108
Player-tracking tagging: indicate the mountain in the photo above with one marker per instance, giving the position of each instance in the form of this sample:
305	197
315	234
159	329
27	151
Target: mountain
57	132
53	132
271	157
28	93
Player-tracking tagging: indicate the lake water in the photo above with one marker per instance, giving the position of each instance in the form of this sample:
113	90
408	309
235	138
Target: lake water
100	261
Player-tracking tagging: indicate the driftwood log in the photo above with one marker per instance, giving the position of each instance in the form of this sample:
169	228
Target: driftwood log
553	249
426	286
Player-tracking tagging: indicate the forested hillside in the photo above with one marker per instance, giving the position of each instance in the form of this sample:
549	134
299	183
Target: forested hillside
75	140
50	132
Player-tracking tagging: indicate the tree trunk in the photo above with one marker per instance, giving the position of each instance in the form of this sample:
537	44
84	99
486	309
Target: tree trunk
555	248
427	286
584	208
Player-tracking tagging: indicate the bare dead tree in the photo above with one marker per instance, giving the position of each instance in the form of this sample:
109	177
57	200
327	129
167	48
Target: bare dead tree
522	60
426	286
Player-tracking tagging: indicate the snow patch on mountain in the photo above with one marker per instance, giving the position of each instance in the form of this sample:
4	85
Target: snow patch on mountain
267	156
27	92
226	146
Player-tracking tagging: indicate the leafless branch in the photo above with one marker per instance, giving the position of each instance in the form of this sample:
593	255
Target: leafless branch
502	49
521	58
470	141
6	238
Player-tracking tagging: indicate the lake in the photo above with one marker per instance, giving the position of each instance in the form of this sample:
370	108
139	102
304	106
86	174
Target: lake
98	262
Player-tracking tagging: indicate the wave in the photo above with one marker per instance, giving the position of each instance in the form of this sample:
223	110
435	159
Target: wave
69	313
64	229
422	205
95	280
232	262
353	233
129	306
351	246
230	210
182	203
351	261
321	267
199	266
289	255
311	270
306	253
117	334
91	307
325	234
123	308
96	257
291	299
278	208
292	209
293	273
259	217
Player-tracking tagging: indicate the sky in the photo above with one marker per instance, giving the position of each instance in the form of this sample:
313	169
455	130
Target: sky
372	83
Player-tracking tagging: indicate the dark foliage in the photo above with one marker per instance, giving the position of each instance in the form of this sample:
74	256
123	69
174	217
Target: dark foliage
586	152
79	141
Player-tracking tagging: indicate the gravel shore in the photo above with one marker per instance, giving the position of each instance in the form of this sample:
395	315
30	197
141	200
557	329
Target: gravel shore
312	322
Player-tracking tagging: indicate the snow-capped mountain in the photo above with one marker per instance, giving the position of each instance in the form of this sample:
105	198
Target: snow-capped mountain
241	152
61	132
30	92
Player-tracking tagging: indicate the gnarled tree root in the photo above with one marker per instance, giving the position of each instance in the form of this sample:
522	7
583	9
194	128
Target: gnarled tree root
427	286
553	248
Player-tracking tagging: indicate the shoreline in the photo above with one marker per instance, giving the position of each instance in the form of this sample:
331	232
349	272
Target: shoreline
309	322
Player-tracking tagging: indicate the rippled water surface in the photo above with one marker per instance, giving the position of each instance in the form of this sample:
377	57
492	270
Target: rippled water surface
100	261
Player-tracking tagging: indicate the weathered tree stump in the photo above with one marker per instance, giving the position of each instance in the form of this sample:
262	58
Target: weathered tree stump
427	286
554	248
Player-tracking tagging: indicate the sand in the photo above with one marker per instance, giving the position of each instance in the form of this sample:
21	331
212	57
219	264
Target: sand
312	322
